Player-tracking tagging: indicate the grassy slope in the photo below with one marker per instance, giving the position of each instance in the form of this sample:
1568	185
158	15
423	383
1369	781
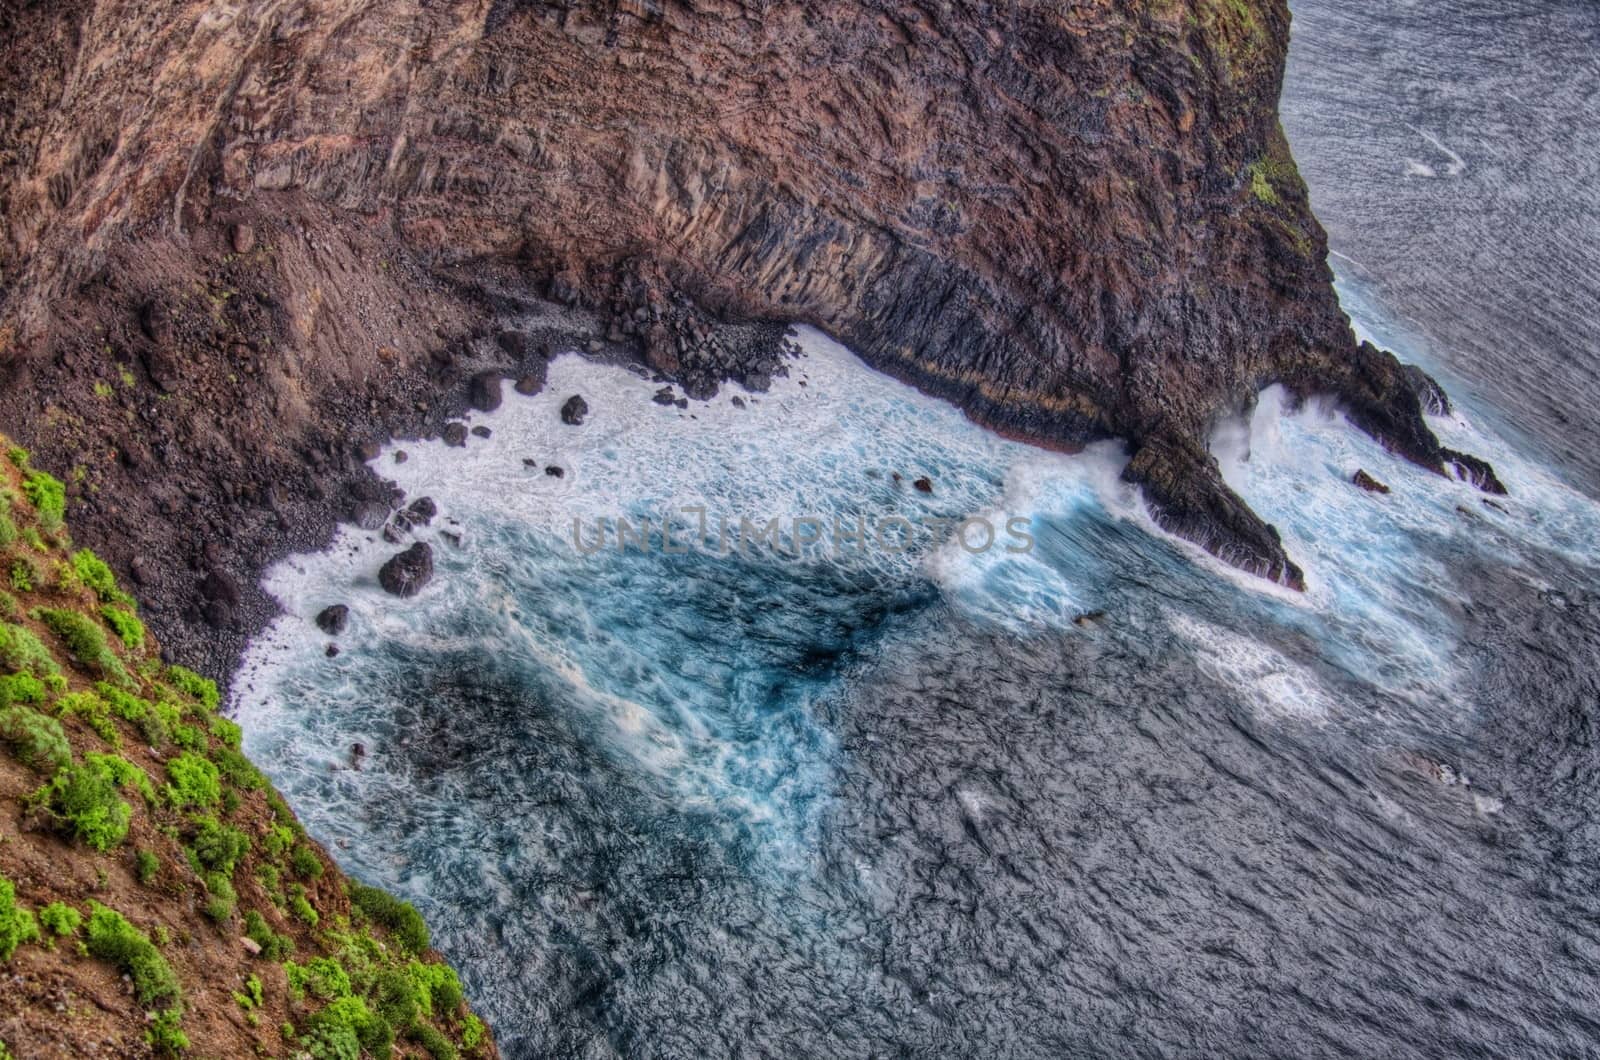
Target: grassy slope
122	789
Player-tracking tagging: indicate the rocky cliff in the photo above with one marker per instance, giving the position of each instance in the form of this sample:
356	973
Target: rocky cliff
241	240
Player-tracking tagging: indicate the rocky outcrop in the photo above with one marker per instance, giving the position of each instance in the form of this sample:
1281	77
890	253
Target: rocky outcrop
408	573
1076	221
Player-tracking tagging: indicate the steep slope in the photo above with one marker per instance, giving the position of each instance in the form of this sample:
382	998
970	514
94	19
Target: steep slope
156	894
1075	220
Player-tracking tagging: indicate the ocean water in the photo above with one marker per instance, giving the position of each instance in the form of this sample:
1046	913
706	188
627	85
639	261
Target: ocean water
1082	792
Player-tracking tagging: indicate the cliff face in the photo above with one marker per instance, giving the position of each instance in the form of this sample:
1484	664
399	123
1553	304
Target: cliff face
1076	220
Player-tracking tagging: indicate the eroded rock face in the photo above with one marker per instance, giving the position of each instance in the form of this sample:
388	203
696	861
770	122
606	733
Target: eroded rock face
1075	220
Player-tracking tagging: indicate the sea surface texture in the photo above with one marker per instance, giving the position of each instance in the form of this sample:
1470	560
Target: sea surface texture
1081	792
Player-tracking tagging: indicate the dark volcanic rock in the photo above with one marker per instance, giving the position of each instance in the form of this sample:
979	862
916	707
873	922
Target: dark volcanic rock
369	515
455	434
483	393
530	383
1435	402
333	618
1368	483
923	485
480	431
574	410
421	511
220	585
406	573
1476	471
554	472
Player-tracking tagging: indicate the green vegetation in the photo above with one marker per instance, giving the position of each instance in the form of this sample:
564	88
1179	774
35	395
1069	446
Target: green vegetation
195	781
94	711
86	641
146	866
191	683
219	847
223	899
402	918
16	923
37	741
61	919
22	652
274	947
126	625
165	1034
112	938
306	864
82	802
48	497
250	997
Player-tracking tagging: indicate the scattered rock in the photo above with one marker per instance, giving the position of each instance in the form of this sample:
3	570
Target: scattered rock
421	511
219	585
554	472
573	412
531	383
368	451
1368	483
455	434
480	431
922	485
407	573
332	651
483	393
738	402
529	461
333	618
243	238
664	396
400	456
369	515
1478	472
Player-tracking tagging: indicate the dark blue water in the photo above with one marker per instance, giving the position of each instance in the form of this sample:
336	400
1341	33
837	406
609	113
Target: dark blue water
1101	798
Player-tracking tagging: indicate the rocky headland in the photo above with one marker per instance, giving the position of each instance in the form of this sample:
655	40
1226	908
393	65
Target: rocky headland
244	243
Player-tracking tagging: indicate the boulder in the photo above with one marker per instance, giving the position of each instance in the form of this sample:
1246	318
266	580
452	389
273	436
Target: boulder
923	485
243	238
480	431
530	383
333	618
573	412
455	434
1368	483
483	392
407	573
369	515
219	585
554	472
421	511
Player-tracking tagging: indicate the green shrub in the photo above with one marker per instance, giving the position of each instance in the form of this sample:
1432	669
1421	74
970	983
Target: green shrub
279	839
473	1032
82	801
227	731
305	863
86	642
111	938
397	997
238	770
9	609
94	573
194	781
61	919
95	712
188	737
165	1033
347	1019
302	909
126	625
401	918
124	774
24	574
37	741
8	530
436	1044
48	497
16	923
224	898
18	457
191	683
321	977
274	947
439	985
250	997
21	688
22	652
219	847
146	866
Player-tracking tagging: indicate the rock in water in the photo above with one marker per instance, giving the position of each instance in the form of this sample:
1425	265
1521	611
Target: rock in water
333	618
455	434
1368	483
484	392
573	412
408	572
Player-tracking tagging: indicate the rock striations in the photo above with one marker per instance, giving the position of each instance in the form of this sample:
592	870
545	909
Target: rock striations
243	239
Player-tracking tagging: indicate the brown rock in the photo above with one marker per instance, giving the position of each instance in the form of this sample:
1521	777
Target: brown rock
1368	483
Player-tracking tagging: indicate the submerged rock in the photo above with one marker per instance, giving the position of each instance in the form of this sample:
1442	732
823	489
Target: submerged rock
407	573
1368	483
574	411
333	619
